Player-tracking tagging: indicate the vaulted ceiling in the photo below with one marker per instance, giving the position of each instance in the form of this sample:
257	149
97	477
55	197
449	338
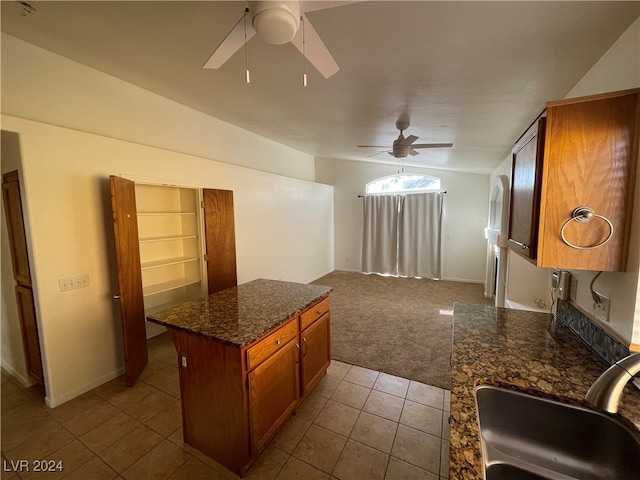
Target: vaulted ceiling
471	73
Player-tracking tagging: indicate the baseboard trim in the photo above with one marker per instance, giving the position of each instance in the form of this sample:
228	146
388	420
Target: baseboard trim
462	280
53	402
26	382
320	276
446	279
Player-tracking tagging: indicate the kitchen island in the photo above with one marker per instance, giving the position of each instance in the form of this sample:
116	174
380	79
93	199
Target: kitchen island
525	351
247	357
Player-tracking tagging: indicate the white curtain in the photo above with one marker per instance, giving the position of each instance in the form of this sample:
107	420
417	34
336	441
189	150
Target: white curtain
401	234
380	234
419	235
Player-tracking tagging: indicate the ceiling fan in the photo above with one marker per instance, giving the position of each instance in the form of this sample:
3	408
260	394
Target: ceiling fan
279	22
403	146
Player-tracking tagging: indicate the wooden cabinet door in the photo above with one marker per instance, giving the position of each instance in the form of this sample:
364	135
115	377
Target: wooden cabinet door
220	236
526	172
125	229
591	155
315	351
273	394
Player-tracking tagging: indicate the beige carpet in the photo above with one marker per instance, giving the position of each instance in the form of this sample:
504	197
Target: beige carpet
400	326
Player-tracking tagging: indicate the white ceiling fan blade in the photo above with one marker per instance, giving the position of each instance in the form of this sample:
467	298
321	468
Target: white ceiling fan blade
432	145
315	50
321	5
409	140
380	153
231	44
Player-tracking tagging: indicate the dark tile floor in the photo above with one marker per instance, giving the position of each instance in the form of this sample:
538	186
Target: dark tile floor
356	424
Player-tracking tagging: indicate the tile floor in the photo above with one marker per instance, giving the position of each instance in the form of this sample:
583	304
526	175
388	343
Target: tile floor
356	424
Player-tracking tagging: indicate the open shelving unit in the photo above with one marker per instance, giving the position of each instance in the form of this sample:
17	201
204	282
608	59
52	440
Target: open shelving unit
170	233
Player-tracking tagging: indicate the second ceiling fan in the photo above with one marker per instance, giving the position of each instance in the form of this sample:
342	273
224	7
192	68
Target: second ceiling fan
404	146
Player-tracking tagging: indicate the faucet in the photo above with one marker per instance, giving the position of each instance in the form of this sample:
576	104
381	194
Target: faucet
606	391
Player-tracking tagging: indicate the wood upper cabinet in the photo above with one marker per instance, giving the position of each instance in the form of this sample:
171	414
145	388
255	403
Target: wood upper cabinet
588	172
526	173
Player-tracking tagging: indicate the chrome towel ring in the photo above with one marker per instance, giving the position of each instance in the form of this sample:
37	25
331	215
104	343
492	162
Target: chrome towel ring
585	215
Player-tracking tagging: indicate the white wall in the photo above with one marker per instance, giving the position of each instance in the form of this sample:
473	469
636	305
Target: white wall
617	69
284	225
464	216
42	86
13	359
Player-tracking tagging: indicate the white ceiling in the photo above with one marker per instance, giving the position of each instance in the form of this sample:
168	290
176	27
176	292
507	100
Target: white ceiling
472	73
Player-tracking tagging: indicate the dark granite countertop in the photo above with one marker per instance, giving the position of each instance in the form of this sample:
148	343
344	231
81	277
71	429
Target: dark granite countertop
242	314
525	351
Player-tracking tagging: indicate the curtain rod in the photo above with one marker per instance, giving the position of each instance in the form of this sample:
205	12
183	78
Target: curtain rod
408	193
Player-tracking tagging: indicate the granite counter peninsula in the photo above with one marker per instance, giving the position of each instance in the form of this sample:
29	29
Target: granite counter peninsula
525	351
248	356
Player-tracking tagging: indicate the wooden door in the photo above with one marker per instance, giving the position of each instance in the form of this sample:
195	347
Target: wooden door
526	173
29	327
315	347
15	227
22	274
220	237
273	394
125	229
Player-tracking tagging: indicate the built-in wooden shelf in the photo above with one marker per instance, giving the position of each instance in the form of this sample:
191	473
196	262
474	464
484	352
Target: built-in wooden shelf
156	288
167	261
166	238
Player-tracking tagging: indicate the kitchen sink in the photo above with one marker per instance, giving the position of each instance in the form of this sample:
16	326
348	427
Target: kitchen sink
531	438
506	471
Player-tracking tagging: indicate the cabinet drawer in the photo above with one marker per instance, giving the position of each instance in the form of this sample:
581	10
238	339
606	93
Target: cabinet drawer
314	313
271	344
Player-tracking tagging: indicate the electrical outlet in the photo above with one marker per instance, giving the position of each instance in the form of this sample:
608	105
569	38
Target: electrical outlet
573	292
71	283
601	309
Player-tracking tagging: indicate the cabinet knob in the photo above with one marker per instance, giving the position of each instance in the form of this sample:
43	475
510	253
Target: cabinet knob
278	342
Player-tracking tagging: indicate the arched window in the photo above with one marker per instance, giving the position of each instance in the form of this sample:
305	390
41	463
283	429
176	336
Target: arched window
404	183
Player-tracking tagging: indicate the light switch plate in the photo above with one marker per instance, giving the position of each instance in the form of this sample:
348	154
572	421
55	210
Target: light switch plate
72	283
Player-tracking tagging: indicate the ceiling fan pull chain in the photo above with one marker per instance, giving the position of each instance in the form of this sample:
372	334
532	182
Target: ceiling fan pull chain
247	76
304	56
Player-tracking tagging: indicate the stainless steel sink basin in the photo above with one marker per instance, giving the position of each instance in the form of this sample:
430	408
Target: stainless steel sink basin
530	438
506	471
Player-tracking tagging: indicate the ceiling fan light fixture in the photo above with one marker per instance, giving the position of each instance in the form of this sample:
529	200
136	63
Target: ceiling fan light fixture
276	23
